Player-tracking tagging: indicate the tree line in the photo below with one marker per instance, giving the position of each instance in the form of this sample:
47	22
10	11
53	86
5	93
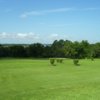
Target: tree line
59	48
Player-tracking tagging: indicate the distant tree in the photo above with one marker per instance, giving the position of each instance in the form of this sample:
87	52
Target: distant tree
17	51
4	51
68	49
81	49
59	48
47	52
96	50
36	50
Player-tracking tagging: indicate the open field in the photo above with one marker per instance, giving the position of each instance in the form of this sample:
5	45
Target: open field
27	79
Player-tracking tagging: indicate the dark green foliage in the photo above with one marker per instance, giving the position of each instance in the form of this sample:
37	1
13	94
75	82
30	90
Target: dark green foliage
52	61
59	49
4	51
36	50
59	60
47	52
17	51
76	61
92	58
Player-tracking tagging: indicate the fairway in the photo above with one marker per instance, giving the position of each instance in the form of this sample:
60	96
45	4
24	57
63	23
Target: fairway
29	79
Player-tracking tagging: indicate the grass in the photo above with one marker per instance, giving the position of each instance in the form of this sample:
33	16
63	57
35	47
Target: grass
27	79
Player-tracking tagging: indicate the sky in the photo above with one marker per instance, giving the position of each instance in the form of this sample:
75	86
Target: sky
31	21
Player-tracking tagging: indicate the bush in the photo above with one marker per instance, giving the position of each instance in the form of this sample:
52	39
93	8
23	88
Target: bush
52	61
59	60
76	61
92	58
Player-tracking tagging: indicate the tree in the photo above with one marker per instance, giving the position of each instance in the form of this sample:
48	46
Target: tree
17	51
47	52
96	50
60	49
57	48
36	50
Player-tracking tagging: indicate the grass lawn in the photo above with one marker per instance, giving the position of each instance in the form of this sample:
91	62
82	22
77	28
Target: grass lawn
27	79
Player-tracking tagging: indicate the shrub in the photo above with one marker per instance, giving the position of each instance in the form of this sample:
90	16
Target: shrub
76	61
52	61
92	58
59	60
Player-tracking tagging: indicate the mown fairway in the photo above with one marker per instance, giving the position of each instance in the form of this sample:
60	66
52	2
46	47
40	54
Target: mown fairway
27	79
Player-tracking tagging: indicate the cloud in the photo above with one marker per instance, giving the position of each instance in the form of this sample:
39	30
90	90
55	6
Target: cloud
43	12
33	37
59	10
54	36
34	13
25	36
3	35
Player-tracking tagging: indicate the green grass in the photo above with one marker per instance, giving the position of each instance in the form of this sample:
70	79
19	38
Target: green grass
27	79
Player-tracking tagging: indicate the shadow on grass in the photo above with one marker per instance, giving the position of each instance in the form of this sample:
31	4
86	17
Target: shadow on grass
77	64
54	65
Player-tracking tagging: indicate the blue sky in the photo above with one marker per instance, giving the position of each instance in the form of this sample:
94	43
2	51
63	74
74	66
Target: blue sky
30	21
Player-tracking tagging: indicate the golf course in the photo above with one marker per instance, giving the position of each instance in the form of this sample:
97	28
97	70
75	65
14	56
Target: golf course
37	79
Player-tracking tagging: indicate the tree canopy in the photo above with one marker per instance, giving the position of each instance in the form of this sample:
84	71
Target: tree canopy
59	48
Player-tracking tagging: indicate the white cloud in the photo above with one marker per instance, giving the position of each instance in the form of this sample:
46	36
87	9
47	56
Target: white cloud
3	35
32	13
59	10
54	36
43	12
59	36
25	36
21	35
